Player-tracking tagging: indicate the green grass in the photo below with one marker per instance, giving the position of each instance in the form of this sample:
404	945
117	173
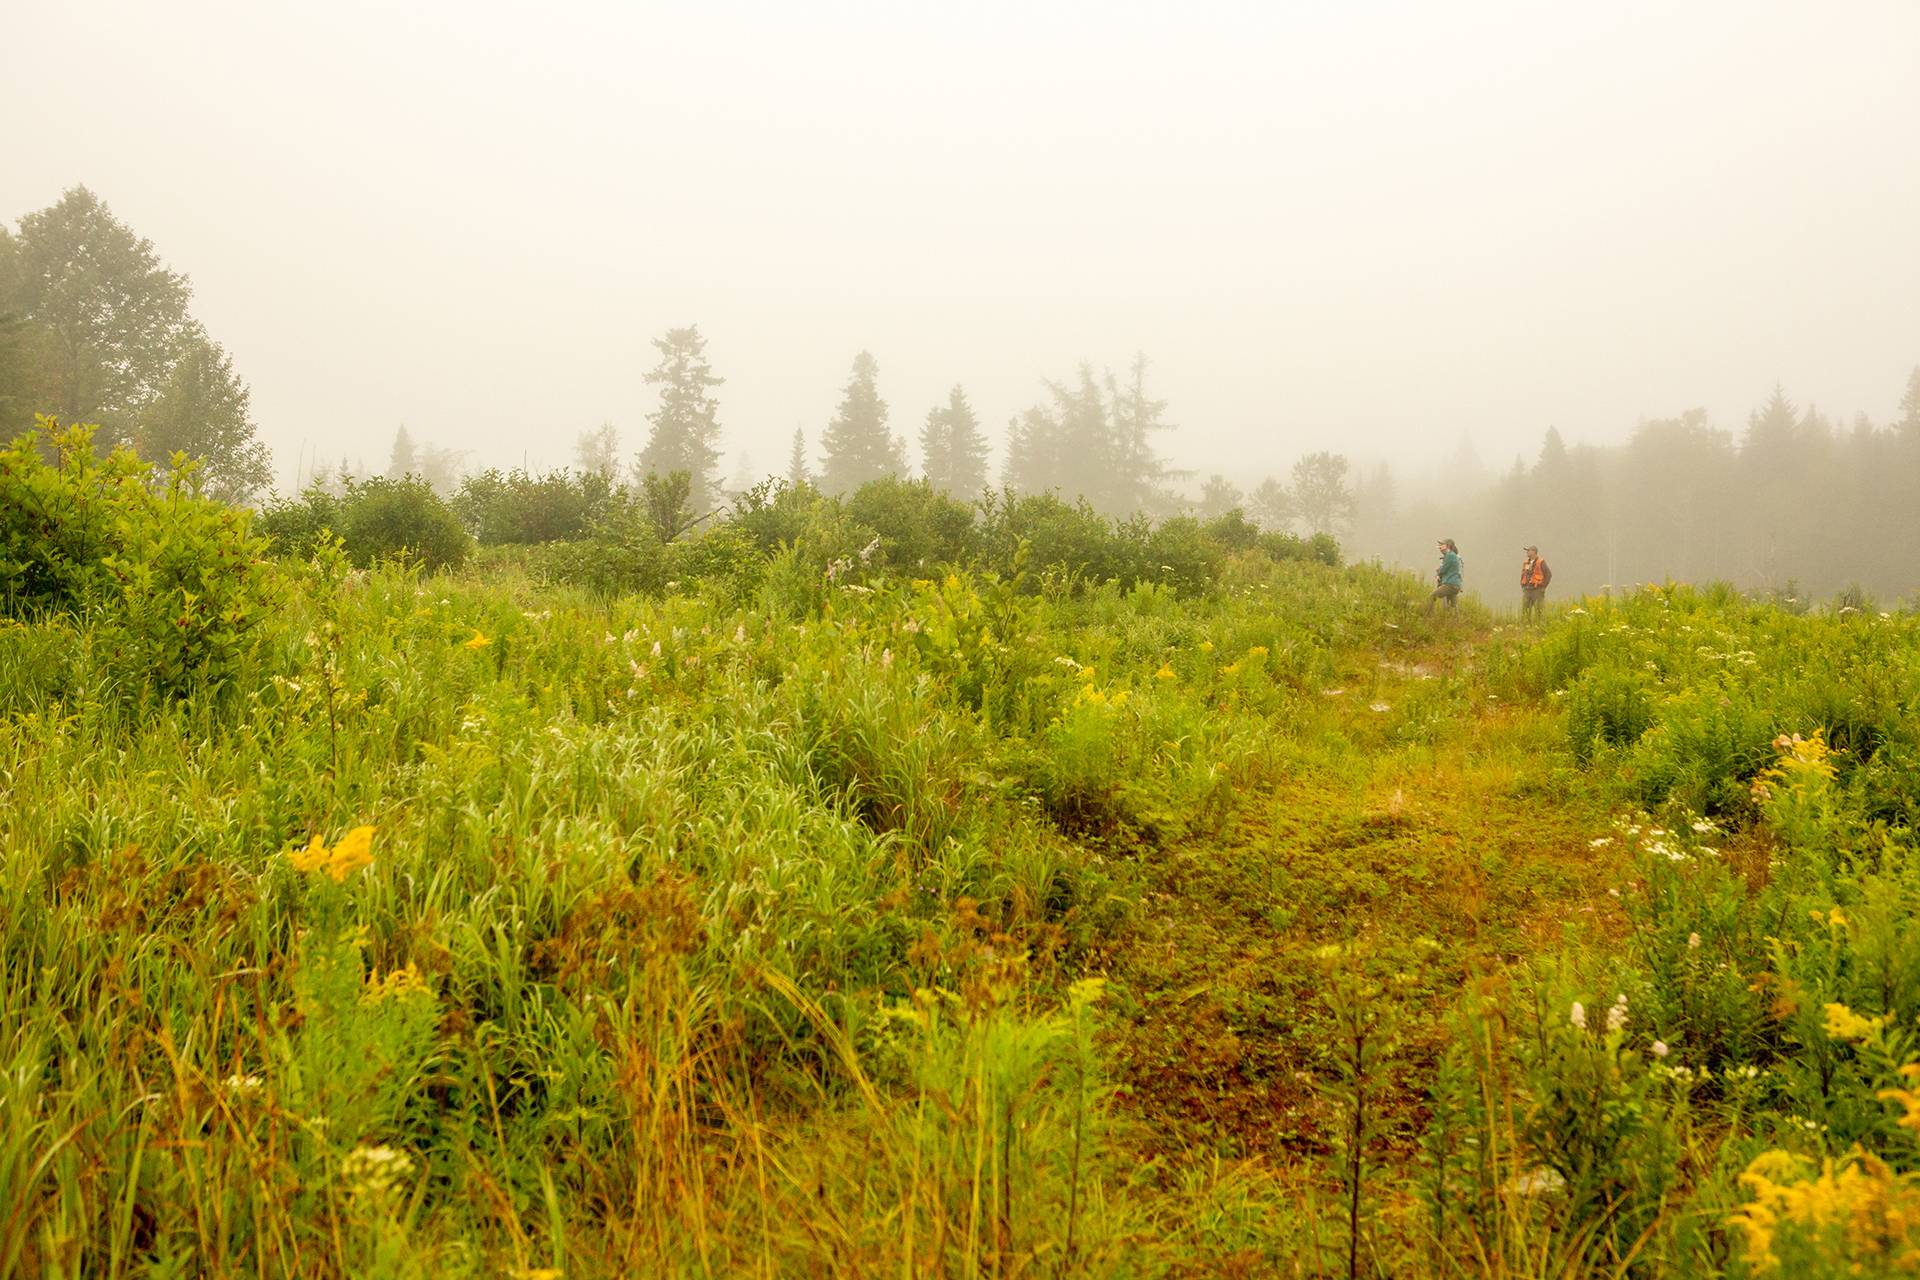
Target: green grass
708	936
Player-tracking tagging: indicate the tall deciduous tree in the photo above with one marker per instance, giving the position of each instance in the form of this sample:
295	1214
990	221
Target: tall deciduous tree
1321	493
204	412
1271	505
686	426
1218	496
597	452
113	319
857	447
953	452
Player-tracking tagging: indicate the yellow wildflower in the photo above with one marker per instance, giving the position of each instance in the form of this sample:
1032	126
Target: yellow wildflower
1844	1024
478	642
1258	651
354	851
1165	673
311	858
1853	1212
1206	646
1907	1098
398	984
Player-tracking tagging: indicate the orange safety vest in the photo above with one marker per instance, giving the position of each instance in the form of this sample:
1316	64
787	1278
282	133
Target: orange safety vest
1533	573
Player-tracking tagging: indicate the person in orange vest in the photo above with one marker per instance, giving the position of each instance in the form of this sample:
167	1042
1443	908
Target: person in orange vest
1534	577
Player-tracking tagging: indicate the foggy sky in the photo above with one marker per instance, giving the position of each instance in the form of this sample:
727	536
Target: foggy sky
1366	226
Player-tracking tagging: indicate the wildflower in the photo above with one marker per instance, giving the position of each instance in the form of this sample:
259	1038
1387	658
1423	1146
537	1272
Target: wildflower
1578	1015
886	657
1379	707
352	853
1165	673
1693	942
1258	651
398	984
478	641
1206	646
243	1084
1599	842
1907	1098
1843	1023
1659	1048
1617	1016
374	1170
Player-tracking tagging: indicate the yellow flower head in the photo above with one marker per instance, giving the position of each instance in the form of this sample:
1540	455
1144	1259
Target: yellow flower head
1165	673
1844	1024
1206	646
1258	651
354	851
478	641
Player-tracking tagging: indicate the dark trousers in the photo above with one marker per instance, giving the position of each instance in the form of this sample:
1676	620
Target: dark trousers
1445	591
1533	599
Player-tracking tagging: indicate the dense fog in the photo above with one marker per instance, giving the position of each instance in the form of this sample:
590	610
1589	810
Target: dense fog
1637	286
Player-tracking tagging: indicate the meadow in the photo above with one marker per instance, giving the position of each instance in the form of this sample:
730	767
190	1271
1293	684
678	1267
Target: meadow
793	898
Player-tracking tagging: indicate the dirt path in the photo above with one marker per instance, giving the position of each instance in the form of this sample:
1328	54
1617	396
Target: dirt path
1445	828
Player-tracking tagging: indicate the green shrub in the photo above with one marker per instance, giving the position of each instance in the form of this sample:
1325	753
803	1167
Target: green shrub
295	526
402	519
920	527
519	507
172	581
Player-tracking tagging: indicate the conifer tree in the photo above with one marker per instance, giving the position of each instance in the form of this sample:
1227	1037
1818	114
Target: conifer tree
953	452
1137	473
857	446
686	426
797	471
404	460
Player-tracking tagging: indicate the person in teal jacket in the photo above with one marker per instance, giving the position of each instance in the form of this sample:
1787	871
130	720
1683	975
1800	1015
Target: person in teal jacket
1447	579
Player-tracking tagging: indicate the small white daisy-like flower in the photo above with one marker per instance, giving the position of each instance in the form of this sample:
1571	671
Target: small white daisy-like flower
1659	1048
1578	1015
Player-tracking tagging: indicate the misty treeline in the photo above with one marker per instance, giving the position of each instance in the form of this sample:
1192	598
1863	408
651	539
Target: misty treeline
95	328
1793	504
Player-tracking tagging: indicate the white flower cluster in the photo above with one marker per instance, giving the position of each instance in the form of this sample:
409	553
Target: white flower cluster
374	1170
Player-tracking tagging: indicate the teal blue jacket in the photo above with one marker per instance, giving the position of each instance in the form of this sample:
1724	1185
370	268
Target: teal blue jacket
1450	569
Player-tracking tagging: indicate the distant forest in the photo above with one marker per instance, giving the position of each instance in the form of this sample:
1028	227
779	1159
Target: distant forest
1794	504
94	327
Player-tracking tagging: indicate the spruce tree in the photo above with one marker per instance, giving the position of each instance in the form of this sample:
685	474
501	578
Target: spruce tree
857	446
1138	474
953	452
686	427
404	460
797	471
